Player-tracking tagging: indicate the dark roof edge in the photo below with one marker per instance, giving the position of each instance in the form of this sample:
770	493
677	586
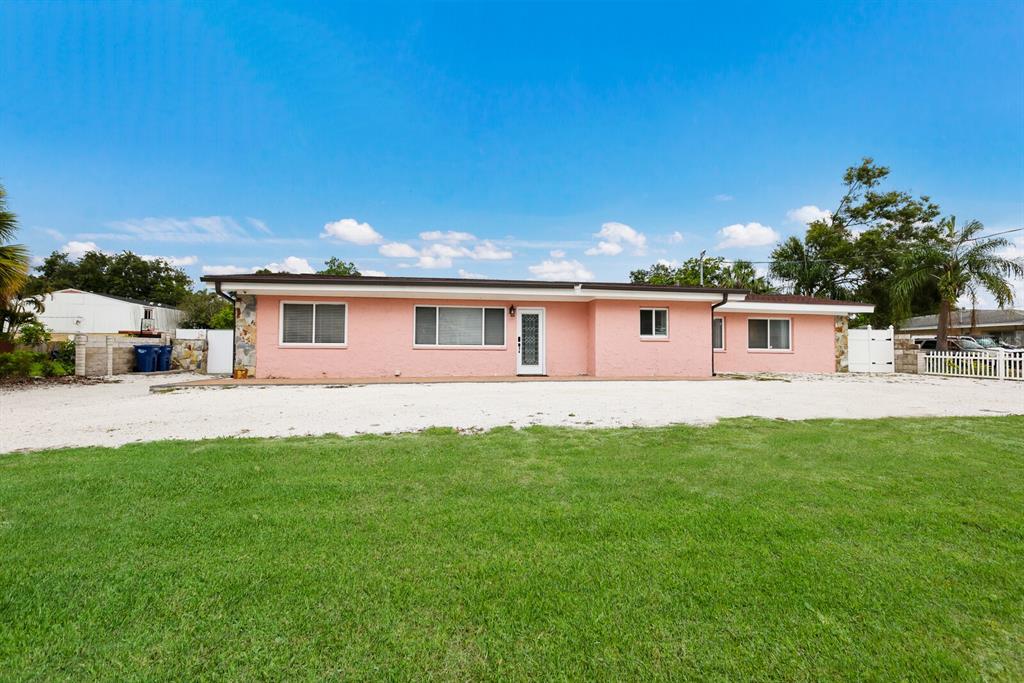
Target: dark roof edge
458	282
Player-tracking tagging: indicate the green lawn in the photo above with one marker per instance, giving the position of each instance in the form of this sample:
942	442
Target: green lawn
753	549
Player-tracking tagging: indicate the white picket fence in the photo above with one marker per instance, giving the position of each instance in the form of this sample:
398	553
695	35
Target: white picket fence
998	364
871	350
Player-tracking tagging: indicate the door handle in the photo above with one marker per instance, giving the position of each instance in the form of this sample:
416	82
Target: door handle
519	343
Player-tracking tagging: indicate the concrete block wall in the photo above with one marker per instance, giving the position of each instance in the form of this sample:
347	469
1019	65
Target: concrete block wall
906	354
97	355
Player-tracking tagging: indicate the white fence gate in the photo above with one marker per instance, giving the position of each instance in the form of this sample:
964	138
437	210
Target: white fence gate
871	350
996	364
219	348
218	358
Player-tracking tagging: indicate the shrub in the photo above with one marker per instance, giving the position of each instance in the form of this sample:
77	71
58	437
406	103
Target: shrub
55	368
65	353
34	333
22	363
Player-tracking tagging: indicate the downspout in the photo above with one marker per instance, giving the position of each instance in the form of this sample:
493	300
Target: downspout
725	297
234	322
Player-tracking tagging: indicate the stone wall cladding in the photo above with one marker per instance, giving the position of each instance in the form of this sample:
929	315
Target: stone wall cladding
189	354
842	343
245	332
906	354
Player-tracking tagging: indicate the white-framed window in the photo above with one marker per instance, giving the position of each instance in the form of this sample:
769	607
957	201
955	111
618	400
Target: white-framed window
769	334
654	323
313	323
718	334
459	326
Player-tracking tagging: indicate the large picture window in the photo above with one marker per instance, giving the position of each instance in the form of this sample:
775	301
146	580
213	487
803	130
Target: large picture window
654	323
768	334
718	334
314	323
459	326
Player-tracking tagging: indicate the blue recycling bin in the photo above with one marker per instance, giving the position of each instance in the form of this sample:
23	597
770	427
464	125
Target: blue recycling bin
145	358
163	358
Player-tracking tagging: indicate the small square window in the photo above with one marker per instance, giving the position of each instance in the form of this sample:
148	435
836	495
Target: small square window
654	323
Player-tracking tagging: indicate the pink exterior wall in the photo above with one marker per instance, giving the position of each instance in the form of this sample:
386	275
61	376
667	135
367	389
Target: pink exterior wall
620	352
598	338
813	346
380	342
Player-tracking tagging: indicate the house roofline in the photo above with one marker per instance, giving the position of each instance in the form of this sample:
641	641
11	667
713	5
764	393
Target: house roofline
368	280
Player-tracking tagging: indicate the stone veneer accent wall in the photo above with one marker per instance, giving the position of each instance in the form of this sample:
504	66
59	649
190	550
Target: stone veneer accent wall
842	343
245	332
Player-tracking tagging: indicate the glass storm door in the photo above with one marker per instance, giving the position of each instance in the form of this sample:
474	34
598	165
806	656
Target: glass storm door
530	342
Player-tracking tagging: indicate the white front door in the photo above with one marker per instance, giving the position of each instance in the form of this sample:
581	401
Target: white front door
530	342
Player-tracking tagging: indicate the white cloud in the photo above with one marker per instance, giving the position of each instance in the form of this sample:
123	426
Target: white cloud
749	235
55	234
351	230
373	273
198	229
37	261
561	270
447	236
176	261
397	250
292	264
670	263
442	254
614	236
77	250
488	251
723	198
557	253
471	276
225	270
604	249
259	225
808	214
675	238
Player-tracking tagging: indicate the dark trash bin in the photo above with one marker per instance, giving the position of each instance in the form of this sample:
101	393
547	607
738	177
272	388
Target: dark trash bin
145	358
163	358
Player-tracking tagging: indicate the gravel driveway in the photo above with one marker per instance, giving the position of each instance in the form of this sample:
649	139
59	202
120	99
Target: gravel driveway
123	411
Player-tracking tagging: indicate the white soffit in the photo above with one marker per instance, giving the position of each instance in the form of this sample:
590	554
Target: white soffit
809	309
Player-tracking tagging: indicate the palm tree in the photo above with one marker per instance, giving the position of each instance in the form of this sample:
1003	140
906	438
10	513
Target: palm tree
13	257
959	263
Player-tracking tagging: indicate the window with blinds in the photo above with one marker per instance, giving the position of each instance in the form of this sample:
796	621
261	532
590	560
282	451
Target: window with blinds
313	324
459	326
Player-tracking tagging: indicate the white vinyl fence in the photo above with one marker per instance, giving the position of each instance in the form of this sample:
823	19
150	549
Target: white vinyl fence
997	364
220	346
871	350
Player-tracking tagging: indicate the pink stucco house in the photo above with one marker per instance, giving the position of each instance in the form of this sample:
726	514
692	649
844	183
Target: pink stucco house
316	326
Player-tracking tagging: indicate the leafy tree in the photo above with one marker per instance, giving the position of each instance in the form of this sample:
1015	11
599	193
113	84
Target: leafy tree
335	266
13	257
223	319
958	263
717	273
202	308
125	274
855	252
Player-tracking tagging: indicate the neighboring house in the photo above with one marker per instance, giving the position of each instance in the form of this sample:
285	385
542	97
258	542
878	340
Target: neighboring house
74	311
1001	324
310	326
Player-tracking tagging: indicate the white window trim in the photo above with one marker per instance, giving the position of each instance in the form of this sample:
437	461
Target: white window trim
722	348
281	343
483	323
655	336
786	350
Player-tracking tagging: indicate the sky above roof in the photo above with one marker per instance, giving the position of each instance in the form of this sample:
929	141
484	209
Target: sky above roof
514	141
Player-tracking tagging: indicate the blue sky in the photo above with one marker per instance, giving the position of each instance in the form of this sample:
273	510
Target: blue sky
523	141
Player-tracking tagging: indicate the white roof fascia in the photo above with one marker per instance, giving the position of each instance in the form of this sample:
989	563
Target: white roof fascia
807	309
